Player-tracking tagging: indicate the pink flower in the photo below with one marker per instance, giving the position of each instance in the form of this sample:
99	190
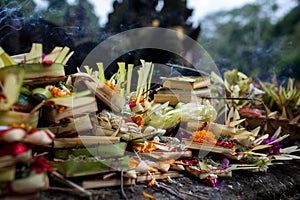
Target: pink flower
132	103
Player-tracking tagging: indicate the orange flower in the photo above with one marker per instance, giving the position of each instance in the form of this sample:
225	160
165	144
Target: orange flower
109	84
133	102
204	136
57	92
146	195
61	109
142	101
148	146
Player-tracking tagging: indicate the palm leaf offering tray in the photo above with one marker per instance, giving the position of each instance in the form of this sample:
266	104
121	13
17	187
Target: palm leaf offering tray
90	131
40	68
272	123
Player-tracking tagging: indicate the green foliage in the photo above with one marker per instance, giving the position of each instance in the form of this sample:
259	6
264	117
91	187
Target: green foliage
79	17
287	31
57	10
285	99
236	83
247	39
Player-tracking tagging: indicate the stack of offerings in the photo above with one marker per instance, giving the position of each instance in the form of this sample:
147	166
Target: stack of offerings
88	151
22	168
70	114
36	94
101	151
183	89
97	165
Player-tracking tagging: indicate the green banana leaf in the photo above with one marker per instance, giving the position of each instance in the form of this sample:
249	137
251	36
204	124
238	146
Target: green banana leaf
7	174
11	79
85	168
101	150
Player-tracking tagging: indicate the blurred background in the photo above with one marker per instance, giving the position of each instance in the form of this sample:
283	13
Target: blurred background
258	37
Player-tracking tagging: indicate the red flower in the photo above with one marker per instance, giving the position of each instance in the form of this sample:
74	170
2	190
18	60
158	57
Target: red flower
211	180
13	149
40	165
48	62
225	144
138	120
190	162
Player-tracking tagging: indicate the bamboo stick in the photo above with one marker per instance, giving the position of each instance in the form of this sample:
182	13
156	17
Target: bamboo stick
107	183
158	176
70	183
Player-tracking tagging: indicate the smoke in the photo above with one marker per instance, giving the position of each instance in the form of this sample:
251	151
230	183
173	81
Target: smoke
69	31
11	17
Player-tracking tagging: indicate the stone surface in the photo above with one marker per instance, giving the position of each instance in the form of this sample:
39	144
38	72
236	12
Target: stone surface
280	182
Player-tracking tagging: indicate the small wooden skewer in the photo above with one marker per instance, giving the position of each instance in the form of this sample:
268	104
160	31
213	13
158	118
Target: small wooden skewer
70	183
156	183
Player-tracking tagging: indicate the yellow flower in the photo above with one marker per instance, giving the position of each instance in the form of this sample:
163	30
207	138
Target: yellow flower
152	182
251	137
